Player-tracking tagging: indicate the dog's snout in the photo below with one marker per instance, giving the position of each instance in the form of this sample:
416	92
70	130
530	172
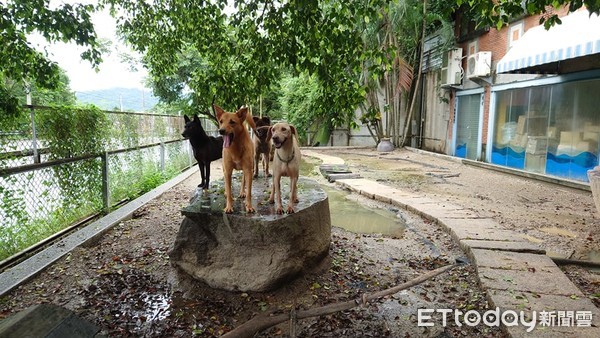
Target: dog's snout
222	131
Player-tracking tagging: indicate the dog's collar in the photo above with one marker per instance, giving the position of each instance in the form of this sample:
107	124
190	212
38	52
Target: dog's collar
288	160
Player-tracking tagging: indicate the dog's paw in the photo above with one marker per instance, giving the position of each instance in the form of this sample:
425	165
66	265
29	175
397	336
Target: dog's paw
250	209
255	176
242	195
296	200
228	210
279	211
271	201
290	209
269	175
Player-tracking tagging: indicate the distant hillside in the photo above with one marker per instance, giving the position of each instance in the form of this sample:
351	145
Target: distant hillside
127	99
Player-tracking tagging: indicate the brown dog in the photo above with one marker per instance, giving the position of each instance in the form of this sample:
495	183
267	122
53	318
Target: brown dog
238	153
286	162
262	144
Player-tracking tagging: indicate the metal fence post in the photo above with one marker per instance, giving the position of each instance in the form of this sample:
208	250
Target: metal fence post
162	156
105	185
190	153
34	148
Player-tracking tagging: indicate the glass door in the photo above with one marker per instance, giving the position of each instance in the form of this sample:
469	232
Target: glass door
468	126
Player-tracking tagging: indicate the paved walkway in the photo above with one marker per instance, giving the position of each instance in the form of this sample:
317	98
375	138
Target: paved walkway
516	274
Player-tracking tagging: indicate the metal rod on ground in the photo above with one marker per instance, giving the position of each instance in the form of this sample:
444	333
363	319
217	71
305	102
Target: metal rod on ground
263	322
566	261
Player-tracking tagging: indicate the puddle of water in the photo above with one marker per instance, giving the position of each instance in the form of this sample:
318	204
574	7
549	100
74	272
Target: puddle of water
351	215
157	306
354	217
148	308
558	231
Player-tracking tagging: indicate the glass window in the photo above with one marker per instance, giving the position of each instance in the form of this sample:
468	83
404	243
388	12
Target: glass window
552	129
575	128
509	141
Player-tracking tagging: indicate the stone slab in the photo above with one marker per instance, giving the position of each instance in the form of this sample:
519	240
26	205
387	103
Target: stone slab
512	260
46	320
323	157
435	210
473	223
513	246
527	302
335	177
485	234
411	202
550	281
252	252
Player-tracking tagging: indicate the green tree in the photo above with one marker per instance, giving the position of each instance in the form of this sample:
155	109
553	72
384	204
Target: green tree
13	116
499	13
20	61
195	46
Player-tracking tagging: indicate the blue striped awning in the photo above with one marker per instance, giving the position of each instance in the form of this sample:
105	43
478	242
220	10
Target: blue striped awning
577	36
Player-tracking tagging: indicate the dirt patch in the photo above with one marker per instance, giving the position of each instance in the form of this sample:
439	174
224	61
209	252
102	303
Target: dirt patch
126	285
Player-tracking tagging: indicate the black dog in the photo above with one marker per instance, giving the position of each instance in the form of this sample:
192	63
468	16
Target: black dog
206	148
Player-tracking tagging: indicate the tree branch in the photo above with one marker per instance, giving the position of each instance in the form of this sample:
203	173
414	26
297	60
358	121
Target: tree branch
263	322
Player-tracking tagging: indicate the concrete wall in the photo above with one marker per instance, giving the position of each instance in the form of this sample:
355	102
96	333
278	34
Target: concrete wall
436	124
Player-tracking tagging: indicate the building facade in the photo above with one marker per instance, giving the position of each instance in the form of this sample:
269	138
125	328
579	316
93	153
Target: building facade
521	97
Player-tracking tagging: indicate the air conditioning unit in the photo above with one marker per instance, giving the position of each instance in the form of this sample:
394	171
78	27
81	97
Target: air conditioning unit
479	65
452	72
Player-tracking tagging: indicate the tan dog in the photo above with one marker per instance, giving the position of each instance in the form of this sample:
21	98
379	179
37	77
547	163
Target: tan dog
238	153
286	162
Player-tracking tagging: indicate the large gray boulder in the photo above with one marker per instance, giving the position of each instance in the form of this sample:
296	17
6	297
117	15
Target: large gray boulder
252	252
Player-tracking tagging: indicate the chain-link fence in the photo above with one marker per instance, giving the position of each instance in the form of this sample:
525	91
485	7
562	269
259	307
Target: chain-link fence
50	181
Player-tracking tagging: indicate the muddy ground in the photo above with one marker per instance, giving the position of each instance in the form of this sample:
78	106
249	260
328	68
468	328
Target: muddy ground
562	220
125	284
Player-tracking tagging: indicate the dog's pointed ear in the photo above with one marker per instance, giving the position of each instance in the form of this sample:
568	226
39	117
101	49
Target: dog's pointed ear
270	133
196	118
186	118
242	112
255	118
293	130
219	111
267	119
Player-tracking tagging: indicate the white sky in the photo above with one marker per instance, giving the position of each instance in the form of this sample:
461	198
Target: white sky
83	77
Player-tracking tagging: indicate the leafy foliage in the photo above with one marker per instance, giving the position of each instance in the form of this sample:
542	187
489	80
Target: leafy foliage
70	132
499	13
73	131
37	204
20	61
196	52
